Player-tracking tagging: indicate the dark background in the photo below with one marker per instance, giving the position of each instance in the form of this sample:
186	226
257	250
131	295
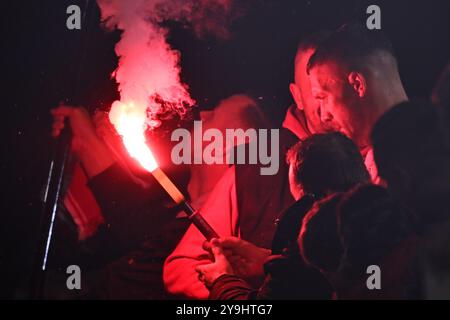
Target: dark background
42	61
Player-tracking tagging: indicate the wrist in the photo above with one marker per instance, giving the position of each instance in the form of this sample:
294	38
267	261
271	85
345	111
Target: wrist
217	277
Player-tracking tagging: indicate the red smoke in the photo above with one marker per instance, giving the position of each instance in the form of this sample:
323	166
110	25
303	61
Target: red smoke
149	70
148	73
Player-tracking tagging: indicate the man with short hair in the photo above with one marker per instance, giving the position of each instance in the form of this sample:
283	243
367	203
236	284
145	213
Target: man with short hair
306	108
354	76
244	203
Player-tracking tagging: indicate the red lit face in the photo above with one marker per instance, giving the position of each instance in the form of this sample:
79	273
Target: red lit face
301	92
338	100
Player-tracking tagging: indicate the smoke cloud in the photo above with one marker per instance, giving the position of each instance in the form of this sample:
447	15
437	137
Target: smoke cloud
148	72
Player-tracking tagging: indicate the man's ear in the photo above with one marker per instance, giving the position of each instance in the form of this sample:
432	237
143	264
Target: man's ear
358	83
296	95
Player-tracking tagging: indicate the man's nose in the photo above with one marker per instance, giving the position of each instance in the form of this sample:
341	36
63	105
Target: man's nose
325	115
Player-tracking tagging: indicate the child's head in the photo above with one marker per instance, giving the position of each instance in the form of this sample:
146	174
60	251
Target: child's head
324	164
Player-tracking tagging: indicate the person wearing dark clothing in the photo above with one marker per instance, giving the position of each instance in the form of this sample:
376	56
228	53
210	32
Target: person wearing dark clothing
286	275
122	257
319	241
140	230
245	203
412	150
376	231
320	165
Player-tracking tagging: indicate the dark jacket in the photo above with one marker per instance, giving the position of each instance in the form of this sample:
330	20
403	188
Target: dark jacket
287	276
124	259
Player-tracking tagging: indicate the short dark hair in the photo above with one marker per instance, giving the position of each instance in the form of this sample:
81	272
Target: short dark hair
319	241
351	45
327	162
313	40
371	224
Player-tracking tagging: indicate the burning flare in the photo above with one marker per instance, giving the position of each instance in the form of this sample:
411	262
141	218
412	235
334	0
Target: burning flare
131	126
148	74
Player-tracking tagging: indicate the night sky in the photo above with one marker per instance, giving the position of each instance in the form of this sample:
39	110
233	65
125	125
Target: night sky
46	63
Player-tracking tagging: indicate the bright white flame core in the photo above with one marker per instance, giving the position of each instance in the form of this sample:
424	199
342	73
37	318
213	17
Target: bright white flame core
130	123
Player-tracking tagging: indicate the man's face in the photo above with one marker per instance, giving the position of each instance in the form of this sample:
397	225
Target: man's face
304	99
338	100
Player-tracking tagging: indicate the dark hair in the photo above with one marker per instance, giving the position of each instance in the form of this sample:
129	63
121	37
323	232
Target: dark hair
351	45
412	152
371	224
319	241
327	162
313	40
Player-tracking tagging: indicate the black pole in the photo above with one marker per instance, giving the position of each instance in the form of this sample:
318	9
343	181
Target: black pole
53	190
201	224
54	187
